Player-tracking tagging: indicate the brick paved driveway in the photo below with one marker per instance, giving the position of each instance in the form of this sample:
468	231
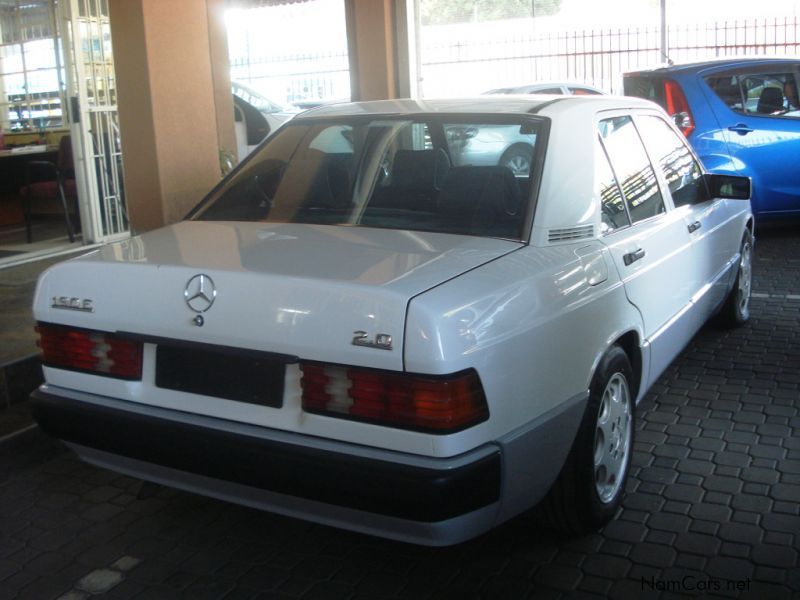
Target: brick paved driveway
713	504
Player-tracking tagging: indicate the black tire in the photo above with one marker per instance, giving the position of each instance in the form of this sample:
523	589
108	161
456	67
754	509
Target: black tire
581	501
518	158
735	311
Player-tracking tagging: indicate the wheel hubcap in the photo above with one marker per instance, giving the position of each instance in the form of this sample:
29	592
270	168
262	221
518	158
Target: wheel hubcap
745	277
519	165
612	438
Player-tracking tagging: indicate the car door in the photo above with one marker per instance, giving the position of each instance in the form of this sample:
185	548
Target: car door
650	243
710	223
761	125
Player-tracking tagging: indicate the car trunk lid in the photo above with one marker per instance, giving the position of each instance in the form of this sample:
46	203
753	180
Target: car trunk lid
298	290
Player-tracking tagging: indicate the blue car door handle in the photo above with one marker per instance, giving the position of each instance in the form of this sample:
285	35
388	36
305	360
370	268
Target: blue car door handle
740	128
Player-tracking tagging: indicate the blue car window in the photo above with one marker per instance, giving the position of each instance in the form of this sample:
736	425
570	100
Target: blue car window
766	94
727	89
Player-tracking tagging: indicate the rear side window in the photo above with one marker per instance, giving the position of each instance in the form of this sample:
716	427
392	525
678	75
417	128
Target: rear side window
680	169
632	167
767	94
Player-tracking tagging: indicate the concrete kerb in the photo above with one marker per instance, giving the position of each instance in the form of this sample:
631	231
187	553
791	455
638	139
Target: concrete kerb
18	379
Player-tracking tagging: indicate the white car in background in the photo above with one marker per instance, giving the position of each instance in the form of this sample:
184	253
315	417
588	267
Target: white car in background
568	88
355	329
482	146
255	117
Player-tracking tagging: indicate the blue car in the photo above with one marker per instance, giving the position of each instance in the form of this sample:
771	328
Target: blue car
741	116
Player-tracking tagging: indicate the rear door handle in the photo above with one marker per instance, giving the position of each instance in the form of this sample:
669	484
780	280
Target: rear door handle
632	257
695	226
740	128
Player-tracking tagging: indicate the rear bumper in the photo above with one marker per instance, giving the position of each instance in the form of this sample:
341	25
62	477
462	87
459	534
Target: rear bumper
418	499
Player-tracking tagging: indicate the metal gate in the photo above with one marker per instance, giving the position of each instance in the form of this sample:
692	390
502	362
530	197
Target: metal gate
94	124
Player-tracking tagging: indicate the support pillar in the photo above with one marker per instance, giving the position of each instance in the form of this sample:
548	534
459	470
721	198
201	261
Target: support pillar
175	105
372	47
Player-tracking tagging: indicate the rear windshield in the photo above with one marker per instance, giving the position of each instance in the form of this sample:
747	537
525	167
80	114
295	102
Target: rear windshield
649	88
469	176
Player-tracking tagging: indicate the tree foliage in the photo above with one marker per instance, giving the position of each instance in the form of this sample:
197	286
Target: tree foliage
444	12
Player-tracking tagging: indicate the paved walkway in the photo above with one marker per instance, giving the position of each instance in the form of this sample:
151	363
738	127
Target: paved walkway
713	505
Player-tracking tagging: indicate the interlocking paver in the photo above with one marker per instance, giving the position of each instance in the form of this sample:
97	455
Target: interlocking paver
711	512
654	555
729	568
684	493
741	533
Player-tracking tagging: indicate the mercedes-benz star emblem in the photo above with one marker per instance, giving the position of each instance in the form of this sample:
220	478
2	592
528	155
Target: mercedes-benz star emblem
200	293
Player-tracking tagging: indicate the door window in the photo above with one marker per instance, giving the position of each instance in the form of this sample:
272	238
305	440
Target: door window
774	94
680	169
632	167
612	205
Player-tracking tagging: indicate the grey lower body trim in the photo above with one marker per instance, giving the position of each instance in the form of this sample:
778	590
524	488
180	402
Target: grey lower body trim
534	454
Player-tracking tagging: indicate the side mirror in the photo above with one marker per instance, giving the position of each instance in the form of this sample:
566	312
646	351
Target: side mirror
733	187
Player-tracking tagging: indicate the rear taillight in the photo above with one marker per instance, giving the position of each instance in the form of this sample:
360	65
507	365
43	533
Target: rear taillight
95	352
437	404
678	107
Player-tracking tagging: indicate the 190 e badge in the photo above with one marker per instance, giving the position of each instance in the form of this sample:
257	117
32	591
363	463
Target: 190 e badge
67	303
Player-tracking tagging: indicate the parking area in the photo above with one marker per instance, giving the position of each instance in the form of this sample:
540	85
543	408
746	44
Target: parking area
713	504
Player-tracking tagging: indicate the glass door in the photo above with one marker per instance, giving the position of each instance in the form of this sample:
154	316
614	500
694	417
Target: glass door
94	124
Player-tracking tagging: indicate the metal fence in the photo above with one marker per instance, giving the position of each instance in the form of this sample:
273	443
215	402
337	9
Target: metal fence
597	56
299	77
468	65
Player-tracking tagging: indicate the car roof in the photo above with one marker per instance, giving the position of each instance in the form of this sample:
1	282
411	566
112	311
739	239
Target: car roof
721	63
545	105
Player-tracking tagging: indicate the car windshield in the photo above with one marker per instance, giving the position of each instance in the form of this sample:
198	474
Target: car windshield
469	176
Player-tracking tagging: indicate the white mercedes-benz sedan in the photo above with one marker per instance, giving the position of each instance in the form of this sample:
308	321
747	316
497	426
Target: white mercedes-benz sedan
360	328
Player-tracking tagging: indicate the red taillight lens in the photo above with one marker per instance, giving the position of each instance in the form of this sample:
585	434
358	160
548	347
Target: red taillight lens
678	107
87	350
428	403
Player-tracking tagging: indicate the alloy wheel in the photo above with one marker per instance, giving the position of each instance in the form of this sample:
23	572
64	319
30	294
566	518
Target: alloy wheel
612	439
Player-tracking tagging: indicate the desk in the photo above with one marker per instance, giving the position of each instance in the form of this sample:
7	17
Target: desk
12	164
27	150
12	178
